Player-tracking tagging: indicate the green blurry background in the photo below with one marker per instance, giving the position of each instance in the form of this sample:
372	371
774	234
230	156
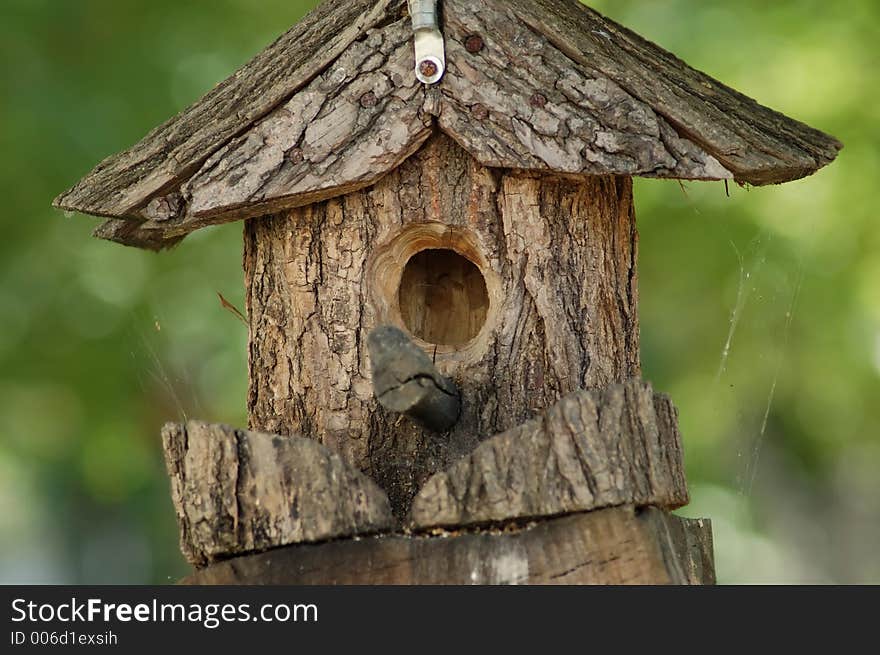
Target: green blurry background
760	312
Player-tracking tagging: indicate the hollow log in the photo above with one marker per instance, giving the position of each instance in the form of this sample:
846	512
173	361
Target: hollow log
554	310
612	546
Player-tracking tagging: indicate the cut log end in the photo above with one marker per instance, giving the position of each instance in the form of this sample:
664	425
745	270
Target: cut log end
593	449
239	492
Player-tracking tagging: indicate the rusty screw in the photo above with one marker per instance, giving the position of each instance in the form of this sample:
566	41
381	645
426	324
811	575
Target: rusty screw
473	44
428	68
538	100
295	156
480	112
368	99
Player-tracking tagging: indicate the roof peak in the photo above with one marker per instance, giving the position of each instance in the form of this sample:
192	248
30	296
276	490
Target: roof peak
333	105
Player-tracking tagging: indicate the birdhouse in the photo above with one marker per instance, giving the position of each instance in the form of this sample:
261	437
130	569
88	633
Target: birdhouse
440	256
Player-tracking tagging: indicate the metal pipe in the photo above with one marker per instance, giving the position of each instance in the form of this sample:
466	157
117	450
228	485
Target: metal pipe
430	49
424	14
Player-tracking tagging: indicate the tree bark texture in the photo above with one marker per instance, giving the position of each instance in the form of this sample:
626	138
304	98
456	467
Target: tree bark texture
345	130
756	144
617	446
174	151
519	102
238	492
547	86
611	546
559	261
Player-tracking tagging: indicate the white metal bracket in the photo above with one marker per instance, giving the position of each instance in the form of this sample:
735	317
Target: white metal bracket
429	46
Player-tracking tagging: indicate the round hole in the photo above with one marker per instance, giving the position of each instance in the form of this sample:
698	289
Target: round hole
443	297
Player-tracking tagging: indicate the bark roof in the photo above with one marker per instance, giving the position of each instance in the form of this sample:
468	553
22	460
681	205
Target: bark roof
333	105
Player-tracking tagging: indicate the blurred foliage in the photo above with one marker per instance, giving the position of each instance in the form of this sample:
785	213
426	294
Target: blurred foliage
760	311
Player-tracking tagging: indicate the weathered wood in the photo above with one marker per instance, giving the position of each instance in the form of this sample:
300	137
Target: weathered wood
174	151
758	145
692	536
345	130
519	102
617	446
325	142
555	87
443	297
559	262
237	492
405	381
612	546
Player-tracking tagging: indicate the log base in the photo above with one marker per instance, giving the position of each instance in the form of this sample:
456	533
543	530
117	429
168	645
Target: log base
559	491
619	545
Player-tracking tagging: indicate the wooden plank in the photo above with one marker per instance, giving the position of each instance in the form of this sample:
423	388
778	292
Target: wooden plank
174	151
553	87
236	491
592	449
757	144
342	132
323	143
519	102
611	546
131	232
